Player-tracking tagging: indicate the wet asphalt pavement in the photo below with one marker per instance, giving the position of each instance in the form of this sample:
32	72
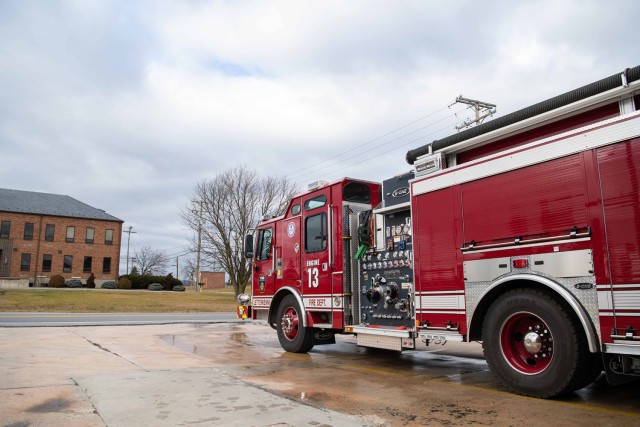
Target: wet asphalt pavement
237	374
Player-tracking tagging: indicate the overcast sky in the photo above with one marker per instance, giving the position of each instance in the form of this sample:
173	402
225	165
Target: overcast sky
126	105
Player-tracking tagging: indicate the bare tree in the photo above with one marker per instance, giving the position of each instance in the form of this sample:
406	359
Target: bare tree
231	204
151	261
189	268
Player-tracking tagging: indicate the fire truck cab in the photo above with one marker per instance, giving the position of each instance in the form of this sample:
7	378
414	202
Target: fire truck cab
301	281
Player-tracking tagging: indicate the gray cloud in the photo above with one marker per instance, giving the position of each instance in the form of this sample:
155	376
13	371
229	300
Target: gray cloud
127	105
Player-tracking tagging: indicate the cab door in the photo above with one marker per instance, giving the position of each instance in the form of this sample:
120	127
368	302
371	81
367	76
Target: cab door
316	267
264	262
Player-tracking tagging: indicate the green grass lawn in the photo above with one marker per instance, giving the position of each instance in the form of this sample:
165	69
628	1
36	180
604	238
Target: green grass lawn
115	301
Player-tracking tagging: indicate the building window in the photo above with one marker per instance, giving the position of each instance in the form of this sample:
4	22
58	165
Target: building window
5	229
106	265
49	231
315	239
67	264
86	266
28	231
71	234
108	237
25	262
46	262
90	232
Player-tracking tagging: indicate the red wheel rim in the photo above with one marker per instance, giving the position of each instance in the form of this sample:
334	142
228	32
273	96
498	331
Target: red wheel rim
289	323
527	343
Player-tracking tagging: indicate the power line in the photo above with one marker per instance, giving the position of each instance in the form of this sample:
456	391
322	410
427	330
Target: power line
185	252
368	142
394	148
360	159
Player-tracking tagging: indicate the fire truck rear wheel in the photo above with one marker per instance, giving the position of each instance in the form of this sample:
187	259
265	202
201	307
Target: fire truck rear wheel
534	346
293	336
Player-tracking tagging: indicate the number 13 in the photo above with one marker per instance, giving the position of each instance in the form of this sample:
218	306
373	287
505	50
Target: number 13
313	277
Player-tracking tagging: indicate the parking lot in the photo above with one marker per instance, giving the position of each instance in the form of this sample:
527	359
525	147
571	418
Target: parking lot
237	374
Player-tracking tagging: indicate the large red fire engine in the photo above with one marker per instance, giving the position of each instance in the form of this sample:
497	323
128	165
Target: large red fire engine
522	233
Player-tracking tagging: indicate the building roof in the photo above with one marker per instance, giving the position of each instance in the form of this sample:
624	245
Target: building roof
30	202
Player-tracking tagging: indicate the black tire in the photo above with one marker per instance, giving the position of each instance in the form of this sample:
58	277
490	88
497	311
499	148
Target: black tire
534	346
293	337
592	370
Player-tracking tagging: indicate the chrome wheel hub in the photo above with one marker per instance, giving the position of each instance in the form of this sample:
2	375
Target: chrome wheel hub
287	324
532	342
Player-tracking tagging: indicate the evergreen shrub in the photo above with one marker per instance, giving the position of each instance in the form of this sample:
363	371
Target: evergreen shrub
91	281
109	285
74	283
142	281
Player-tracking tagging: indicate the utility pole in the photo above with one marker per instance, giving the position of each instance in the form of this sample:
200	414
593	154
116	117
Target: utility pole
479	107
128	240
199	202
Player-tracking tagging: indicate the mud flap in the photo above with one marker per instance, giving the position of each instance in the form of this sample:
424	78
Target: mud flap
321	337
618	369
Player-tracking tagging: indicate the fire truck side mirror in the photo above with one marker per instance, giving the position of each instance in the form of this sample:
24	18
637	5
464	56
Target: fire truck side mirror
248	246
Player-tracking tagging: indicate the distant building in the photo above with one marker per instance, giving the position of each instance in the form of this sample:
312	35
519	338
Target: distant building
212	279
44	234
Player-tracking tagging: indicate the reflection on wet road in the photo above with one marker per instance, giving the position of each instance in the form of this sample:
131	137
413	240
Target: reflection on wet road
437	385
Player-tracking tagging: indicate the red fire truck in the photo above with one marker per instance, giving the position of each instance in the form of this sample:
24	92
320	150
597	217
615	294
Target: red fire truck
522	233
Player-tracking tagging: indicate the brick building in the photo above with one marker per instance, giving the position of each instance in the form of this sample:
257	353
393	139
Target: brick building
212	279
44	234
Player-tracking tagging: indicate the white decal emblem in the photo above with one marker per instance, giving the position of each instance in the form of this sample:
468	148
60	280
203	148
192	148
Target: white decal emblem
400	192
291	229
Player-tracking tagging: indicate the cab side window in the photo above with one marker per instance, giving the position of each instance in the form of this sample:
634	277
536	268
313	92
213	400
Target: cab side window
315	202
264	244
315	228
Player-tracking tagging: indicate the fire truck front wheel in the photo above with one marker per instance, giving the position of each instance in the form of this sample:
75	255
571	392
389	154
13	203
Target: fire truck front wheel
533	345
293	336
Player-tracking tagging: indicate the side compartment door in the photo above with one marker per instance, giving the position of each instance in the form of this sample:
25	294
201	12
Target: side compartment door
619	168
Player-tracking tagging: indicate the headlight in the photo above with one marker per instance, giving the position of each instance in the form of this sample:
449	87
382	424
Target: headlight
243	299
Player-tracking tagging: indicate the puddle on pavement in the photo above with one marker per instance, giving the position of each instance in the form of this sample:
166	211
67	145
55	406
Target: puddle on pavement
369	382
55	404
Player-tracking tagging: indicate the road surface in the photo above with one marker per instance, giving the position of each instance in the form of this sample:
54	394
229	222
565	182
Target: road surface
22	319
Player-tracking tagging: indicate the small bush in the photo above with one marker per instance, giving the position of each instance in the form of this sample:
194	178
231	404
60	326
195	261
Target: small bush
124	283
178	288
56	281
91	281
74	283
155	287
109	285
